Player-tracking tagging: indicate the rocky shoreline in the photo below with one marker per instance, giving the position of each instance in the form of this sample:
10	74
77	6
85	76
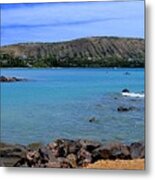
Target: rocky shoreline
10	79
65	153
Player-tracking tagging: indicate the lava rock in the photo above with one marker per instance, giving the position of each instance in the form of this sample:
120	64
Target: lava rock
10	79
89	145
125	90
11	153
125	109
137	150
64	153
100	153
84	157
72	160
111	151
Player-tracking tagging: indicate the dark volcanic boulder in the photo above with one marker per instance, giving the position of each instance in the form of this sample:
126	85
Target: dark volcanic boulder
72	158
84	157
111	151
89	145
74	147
63	147
51	156
58	148
137	150
10	79
64	153
101	153
10	154
8	150
32	158
44	155
125	109
125	90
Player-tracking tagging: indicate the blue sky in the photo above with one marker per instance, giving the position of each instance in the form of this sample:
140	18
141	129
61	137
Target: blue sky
52	22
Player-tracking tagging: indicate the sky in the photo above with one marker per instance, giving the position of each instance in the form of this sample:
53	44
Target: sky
54	22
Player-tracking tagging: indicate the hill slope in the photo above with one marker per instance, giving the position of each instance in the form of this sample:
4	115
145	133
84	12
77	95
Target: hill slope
85	52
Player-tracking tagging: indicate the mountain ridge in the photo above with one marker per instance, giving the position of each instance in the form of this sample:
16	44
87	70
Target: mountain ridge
84	52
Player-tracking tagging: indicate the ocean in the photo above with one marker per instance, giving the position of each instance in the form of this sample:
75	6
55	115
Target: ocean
72	103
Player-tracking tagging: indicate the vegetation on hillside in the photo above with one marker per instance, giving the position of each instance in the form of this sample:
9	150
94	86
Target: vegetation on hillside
86	52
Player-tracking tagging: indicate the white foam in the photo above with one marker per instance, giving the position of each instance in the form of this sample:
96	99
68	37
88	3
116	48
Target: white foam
137	95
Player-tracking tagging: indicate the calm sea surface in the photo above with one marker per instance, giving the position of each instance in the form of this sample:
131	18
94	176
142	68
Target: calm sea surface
58	103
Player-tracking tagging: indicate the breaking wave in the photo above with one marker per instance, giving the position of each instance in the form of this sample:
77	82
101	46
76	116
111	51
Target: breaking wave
136	95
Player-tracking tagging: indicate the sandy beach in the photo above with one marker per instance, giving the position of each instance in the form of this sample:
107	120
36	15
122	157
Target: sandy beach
136	164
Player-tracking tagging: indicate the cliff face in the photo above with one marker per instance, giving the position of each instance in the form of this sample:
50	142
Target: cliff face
85	52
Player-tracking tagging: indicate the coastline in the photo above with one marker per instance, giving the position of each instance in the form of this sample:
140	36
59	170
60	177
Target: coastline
81	153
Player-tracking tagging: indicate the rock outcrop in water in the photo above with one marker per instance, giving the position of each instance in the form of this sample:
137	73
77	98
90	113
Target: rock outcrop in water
125	90
64	153
10	79
84	52
125	109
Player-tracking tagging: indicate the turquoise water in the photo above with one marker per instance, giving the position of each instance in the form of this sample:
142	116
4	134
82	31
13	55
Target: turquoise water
58	103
